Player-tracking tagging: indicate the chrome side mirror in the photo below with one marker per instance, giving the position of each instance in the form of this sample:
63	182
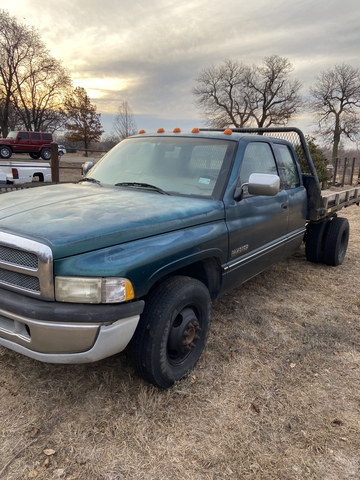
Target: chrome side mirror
87	166
264	184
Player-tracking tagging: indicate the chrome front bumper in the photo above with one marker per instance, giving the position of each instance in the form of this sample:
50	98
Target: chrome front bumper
42	330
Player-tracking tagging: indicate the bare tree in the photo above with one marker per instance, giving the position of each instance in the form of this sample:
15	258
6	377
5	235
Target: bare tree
40	100
274	97
9	112
83	122
32	83
17	45
124	124
335	103
239	95
221	95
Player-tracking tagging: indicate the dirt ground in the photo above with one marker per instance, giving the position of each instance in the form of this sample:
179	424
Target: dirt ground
70	172
276	394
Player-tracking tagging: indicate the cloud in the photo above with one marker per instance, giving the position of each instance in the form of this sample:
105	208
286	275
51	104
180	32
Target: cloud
150	53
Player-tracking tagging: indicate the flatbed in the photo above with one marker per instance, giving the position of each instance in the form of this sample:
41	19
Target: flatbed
335	200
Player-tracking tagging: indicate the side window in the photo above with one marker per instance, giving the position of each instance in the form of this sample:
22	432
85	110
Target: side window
258	158
35	136
23	136
288	169
46	136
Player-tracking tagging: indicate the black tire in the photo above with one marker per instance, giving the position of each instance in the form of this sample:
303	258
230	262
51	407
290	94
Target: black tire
46	153
314	245
172	331
5	152
34	155
336	241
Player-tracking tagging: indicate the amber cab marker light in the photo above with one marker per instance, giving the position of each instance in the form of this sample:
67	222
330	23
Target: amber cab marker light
195	130
141	132
228	131
160	130
177	130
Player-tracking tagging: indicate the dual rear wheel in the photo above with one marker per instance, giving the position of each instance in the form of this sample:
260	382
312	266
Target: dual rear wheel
327	241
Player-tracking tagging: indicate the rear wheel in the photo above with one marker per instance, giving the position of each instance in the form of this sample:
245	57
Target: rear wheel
34	155
5	152
172	331
46	153
314	245
336	241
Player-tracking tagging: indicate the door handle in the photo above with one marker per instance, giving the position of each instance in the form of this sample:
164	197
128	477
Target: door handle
284	207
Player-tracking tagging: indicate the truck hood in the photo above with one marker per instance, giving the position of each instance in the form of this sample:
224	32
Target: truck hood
75	218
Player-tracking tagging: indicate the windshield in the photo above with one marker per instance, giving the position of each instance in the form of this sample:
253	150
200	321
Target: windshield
181	165
12	135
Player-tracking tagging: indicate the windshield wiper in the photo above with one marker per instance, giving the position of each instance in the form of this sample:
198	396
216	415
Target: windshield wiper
90	179
141	185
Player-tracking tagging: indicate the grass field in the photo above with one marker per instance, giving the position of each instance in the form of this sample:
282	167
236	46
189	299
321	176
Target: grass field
276	394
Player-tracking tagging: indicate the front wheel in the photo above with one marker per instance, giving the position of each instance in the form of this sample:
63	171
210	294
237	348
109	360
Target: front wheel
5	152
172	331
46	153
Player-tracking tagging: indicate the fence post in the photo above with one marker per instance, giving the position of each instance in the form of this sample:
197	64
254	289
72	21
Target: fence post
344	172
54	162
335	170
352	171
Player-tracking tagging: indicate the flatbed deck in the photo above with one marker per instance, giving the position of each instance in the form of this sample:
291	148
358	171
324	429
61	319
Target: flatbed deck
335	200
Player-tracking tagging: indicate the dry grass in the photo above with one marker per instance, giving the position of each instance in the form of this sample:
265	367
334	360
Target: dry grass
274	396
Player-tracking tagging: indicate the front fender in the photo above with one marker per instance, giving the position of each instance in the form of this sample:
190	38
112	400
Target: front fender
146	261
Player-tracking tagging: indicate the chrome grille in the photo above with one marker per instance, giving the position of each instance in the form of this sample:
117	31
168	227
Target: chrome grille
18	257
26	266
15	279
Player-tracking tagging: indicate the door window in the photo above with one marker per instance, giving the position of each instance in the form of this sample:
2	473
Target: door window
23	136
289	172
258	158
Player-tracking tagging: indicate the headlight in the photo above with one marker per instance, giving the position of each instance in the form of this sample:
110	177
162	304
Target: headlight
93	289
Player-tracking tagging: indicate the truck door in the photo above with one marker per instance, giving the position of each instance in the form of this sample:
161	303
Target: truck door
257	225
23	142
290	176
35	142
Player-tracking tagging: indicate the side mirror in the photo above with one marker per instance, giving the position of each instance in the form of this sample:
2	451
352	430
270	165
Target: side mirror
264	184
87	167
259	184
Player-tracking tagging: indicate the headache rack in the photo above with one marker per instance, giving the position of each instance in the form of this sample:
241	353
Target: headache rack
320	205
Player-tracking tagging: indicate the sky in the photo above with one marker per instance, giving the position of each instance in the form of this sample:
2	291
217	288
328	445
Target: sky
150	52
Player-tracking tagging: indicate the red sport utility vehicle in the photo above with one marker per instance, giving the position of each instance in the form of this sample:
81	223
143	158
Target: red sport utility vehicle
36	144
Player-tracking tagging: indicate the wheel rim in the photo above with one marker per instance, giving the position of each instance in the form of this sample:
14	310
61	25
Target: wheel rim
47	154
184	336
5	152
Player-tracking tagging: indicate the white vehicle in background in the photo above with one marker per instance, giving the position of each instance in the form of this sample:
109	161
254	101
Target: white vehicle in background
61	150
3	178
25	172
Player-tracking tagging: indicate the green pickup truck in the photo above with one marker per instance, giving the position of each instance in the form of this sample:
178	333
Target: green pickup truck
162	225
